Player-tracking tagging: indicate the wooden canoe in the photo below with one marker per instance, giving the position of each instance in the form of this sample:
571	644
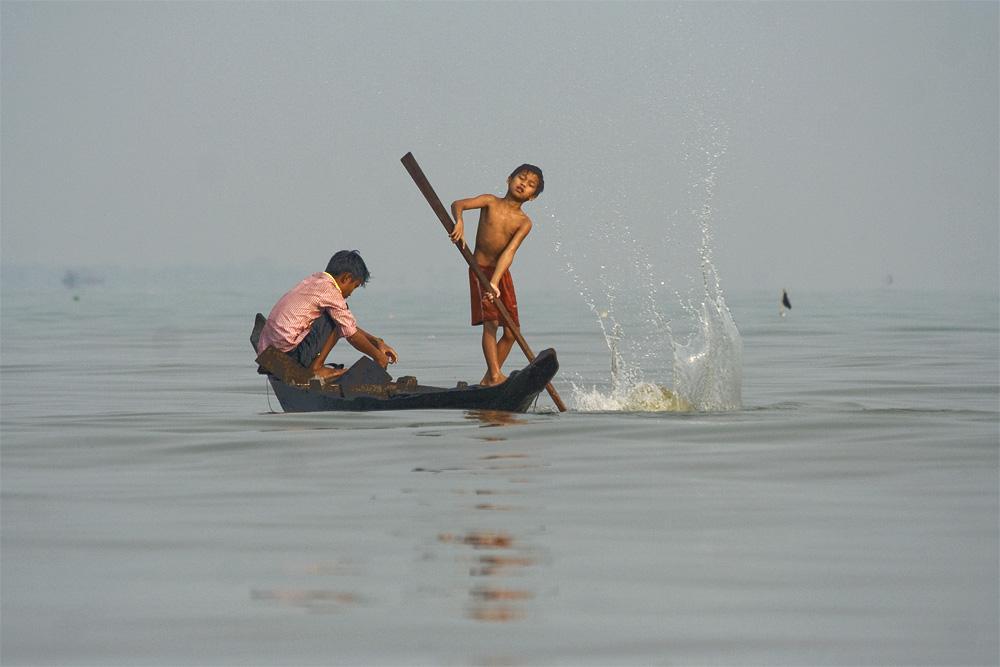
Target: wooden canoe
366	386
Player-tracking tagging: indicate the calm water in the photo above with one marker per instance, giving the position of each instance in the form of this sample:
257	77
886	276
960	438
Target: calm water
154	511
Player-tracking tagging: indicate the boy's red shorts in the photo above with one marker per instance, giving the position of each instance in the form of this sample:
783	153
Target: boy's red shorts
486	310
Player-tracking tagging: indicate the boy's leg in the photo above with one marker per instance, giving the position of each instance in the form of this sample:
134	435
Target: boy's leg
509	300
504	346
493	375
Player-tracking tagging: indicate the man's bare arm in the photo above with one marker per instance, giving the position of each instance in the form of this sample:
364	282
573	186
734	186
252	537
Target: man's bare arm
380	345
460	205
361	342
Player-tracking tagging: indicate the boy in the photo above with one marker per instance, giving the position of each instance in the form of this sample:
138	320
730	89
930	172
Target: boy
311	317
502	228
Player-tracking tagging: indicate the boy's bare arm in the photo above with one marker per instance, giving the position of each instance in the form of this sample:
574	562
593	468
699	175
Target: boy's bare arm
457	207
507	256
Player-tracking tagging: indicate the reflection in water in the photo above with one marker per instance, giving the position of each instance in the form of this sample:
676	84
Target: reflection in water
480	540
495	417
484	492
500	594
496	614
493	565
310	600
313	600
493	602
495	508
436	470
328	568
500	586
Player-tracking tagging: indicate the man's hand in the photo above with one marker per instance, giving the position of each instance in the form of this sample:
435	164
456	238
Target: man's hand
388	352
381	359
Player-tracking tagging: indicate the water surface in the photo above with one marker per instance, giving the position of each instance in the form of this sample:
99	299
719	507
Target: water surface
154	511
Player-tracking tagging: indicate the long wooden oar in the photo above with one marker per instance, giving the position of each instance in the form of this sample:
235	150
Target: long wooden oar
417	174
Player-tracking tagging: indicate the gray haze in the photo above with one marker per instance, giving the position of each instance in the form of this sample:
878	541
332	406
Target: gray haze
826	145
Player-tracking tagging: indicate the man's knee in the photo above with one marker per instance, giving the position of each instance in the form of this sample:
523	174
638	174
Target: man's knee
315	341
508	333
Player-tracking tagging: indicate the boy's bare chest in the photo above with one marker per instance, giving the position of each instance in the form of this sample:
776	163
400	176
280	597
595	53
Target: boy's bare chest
501	223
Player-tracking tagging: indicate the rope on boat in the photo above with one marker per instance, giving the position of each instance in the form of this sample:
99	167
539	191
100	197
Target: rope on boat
267	393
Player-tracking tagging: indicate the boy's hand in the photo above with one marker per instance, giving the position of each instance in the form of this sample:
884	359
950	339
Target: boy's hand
456	234
381	359
493	294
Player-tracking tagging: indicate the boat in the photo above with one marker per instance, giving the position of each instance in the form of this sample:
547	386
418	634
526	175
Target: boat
366	386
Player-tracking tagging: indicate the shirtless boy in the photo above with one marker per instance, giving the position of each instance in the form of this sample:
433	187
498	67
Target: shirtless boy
311	317
502	228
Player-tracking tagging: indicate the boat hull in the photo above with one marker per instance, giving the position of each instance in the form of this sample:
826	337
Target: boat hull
515	395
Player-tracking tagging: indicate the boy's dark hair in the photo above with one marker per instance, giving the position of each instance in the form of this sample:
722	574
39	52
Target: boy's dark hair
349	261
534	170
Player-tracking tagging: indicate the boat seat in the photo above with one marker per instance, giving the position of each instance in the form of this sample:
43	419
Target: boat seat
283	367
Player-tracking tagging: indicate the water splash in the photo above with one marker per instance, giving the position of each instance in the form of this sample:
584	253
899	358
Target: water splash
703	362
708	366
641	397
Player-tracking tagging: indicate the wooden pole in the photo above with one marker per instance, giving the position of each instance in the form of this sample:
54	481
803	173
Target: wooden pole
417	174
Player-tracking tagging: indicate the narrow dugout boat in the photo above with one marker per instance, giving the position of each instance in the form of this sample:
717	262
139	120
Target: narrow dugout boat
366	386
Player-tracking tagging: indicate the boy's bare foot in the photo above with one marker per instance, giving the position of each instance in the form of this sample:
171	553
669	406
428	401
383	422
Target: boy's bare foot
492	380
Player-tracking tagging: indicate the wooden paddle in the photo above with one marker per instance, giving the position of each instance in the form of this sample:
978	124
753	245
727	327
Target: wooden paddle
417	174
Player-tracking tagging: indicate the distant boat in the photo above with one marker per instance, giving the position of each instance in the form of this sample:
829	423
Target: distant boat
73	278
786	304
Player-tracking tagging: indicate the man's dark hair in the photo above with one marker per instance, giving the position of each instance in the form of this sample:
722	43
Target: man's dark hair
349	261
534	170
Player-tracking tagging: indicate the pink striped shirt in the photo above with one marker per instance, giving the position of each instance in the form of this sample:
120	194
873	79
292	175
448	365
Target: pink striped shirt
292	317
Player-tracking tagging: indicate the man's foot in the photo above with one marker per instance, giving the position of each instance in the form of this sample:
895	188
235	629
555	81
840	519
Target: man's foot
327	374
492	380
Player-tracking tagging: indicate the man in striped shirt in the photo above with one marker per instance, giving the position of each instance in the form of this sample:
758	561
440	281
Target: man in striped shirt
311	317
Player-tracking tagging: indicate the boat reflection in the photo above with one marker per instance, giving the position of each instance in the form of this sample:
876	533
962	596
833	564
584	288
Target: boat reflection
495	417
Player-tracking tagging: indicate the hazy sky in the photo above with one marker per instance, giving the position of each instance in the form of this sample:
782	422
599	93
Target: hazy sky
824	144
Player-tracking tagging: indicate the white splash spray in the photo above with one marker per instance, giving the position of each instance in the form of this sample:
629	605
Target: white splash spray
708	366
706	362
